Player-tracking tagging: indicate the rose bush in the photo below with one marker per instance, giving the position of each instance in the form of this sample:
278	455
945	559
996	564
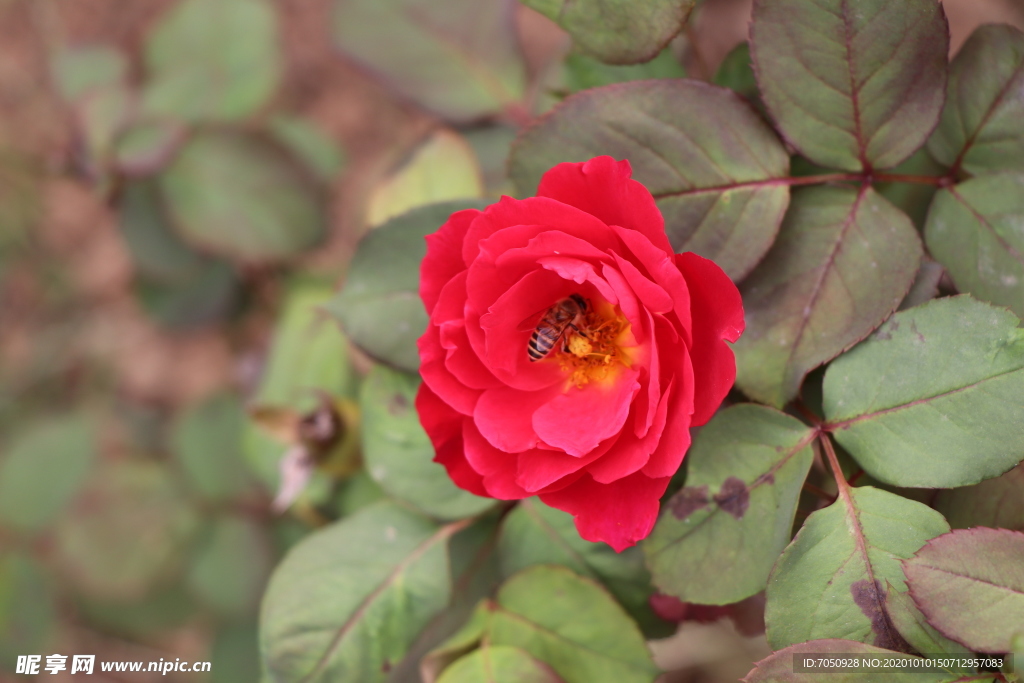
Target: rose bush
597	427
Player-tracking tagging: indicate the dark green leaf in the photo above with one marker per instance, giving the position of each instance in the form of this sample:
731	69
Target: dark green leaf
211	294
571	624
976	230
27	609
980	129
499	664
242	197
216	61
44	467
379	306
158	252
779	666
970	585
126	531
842	263
712	164
398	453
723	532
618	31
831	580
492	144
231	566
852	85
534	533
736	73
933	398
458	58
349	600
207	441
995	502
154	614
913	198
918	633
926	284
235	655
583	72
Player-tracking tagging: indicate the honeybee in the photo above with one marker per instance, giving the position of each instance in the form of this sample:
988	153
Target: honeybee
567	313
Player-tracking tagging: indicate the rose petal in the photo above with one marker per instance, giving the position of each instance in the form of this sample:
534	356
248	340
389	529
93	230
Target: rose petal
497	468
552	470
444	427
632	453
578	420
444	256
504	417
437	375
619	514
675	440
717	318
604	188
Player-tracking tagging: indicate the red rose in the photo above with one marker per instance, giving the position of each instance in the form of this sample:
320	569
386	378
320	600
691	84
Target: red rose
598	425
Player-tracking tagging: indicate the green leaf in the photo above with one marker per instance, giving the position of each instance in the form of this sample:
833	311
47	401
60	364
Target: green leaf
157	251
126	531
995	502
779	666
350	599
398	453
583	72
932	399
309	144
213	60
443	168
842	263
235	655
534	533
239	196
722	533
154	614
916	630
712	164
976	230
618	31
852	86
209	295
492	144
379	306
147	146
308	353
230	567
27	610
969	584
830	581
207	442
44	467
499	664
926	284
571	624
736	73
77	71
458	58
980	130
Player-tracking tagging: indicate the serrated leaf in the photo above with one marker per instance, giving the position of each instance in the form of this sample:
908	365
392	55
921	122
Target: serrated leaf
571	624
398	453
933	398
583	72
997	502
712	164
721	534
779	666
852	85
126	531
830	581
444	168
618	31
842	263
207	442
458	58
350	599
44	467
239	196
28	612
976	230
213	61
499	664
308	354
980	130
969	584
230	567
534	533
918	633
379	305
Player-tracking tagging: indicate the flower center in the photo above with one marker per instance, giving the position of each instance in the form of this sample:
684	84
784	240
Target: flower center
593	352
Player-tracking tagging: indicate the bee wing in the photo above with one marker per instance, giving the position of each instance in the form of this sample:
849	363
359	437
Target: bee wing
531	321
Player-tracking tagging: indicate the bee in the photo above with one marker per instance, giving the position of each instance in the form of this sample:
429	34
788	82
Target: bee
567	313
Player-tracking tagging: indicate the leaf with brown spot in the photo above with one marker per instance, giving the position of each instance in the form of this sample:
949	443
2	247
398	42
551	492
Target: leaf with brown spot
751	461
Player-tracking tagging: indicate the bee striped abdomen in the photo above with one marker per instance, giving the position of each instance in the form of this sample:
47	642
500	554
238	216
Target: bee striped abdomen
542	341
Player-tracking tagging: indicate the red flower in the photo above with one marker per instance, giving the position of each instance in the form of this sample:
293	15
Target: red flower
599	425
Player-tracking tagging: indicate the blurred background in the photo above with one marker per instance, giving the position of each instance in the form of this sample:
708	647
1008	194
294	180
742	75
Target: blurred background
182	183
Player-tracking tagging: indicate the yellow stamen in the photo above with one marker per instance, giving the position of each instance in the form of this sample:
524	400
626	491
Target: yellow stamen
591	351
